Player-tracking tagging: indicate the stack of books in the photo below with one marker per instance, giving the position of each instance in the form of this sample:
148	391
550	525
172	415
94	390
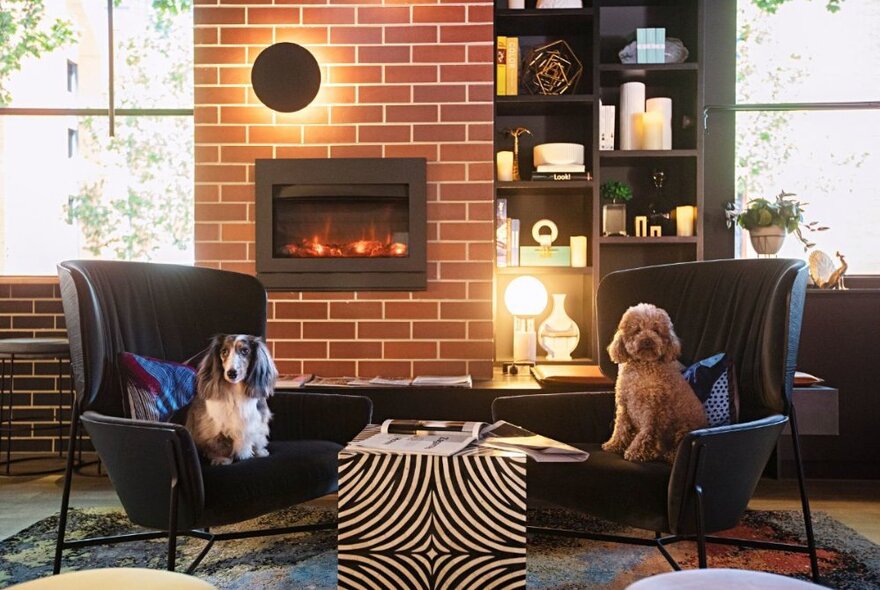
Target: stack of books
651	46
561	172
506	236
507	66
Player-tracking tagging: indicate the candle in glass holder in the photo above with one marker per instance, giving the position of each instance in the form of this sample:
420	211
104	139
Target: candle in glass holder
652	131
685	216
504	164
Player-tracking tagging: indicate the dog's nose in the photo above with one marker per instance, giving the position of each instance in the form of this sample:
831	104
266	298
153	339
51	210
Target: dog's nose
231	373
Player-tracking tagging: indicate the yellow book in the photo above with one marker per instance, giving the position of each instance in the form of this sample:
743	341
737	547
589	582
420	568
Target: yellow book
501	66
512	66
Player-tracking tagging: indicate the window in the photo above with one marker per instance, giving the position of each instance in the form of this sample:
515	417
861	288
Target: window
808	82
89	166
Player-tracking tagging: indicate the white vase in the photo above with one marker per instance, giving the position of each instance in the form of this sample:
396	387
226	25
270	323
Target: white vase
558	334
767	240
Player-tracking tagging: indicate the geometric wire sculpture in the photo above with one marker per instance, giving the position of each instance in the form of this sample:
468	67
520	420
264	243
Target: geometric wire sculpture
552	69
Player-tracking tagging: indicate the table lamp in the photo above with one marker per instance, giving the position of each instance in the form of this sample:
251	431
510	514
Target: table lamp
525	297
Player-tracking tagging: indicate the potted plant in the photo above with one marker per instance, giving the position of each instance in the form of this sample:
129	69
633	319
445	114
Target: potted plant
768	222
614	212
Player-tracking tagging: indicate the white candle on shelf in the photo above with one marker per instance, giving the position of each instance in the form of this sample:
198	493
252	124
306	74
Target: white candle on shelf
664	107
685	216
504	164
652	131
632	101
579	251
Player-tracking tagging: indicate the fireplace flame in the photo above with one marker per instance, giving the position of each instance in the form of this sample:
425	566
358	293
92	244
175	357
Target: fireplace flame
314	248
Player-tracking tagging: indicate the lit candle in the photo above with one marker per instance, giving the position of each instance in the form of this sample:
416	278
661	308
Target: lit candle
504	164
652	131
684	220
579	251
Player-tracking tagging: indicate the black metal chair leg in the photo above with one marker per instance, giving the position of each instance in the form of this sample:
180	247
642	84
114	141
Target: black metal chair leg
172	510
65	496
805	502
701	533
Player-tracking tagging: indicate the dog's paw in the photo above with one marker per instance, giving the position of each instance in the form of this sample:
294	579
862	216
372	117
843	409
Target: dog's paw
221	460
262	453
612	447
244	455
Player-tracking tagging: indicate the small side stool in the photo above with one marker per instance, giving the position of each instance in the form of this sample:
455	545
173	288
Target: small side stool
11	350
721	579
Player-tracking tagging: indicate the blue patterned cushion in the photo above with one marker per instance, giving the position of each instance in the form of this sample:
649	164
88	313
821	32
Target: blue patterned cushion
156	389
714	382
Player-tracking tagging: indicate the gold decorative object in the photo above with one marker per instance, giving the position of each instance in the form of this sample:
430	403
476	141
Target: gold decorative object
515	133
552	69
823	273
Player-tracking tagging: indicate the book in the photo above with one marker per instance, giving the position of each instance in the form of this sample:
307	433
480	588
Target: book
641	46
443	381
292	381
512	66
446	438
583	374
513	258
331	381
561	176
501	242
422	437
545	168
606	127
660	45
501	66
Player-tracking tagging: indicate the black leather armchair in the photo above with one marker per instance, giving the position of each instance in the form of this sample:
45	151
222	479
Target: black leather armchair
171	312
750	309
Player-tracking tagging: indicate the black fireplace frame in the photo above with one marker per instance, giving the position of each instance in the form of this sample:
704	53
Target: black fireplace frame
342	274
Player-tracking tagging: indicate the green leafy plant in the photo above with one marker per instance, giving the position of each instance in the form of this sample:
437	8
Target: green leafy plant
616	192
784	212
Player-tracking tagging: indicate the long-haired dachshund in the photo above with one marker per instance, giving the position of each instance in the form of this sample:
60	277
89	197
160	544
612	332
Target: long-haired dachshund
229	416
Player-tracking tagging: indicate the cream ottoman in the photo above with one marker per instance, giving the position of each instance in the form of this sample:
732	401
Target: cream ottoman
114	578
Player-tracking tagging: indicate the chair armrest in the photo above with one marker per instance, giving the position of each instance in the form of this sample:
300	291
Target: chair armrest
567	417
318	416
726	462
142	458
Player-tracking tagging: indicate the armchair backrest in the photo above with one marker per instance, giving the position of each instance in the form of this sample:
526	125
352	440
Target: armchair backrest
164	311
750	309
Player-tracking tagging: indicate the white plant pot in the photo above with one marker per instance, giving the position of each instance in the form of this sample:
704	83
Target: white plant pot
767	240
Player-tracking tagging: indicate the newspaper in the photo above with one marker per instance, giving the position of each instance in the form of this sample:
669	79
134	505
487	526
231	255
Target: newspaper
445	438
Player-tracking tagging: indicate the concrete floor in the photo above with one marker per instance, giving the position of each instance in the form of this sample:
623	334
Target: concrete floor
24	500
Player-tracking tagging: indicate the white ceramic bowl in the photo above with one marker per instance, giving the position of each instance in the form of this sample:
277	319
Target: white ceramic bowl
558	154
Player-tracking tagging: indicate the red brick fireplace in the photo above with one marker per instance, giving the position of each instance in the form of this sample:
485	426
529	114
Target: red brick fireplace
399	80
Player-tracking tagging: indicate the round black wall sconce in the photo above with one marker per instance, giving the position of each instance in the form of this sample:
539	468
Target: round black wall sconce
286	77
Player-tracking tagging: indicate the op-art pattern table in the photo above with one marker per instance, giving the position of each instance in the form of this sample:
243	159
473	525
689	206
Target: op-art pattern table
425	522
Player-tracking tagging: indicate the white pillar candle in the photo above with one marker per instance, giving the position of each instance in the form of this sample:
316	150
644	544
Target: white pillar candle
663	106
516	3
632	102
685	216
578	251
652	131
504	165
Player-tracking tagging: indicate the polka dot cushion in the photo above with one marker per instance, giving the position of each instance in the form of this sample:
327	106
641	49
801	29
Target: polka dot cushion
714	383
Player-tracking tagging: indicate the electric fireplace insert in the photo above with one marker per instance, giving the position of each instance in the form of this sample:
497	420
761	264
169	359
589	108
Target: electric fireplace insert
341	224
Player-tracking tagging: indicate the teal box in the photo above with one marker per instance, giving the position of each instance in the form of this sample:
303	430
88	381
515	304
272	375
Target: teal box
660	45
534	256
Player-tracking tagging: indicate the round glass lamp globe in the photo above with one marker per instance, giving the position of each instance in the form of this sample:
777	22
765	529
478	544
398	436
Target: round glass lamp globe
525	296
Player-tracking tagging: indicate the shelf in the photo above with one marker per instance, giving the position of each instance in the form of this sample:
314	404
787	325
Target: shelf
539	104
614	154
562	186
634	241
544	22
651	74
544	270
682	67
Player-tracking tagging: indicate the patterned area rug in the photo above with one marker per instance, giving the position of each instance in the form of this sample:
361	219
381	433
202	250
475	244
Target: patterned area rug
307	561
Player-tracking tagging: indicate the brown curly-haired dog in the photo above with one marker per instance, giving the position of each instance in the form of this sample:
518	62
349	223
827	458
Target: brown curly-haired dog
655	405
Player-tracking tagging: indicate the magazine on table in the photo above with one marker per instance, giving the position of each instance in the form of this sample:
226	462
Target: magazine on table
445	438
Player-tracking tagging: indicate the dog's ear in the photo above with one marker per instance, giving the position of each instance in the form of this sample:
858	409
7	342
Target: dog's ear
617	349
672	350
211	369
262	373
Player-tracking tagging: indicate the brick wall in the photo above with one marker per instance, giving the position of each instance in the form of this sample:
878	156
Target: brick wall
27	311
399	80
